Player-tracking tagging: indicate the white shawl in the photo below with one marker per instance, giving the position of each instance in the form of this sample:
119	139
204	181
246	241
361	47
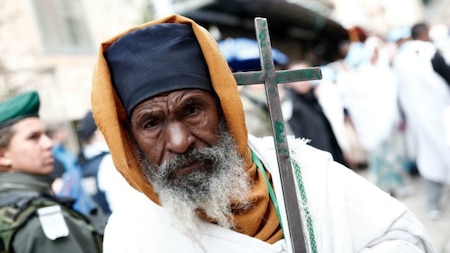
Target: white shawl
349	214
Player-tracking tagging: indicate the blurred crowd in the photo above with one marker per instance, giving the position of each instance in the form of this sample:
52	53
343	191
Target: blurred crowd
383	105
88	176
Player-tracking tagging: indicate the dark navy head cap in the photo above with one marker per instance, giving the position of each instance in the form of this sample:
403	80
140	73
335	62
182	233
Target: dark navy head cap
155	60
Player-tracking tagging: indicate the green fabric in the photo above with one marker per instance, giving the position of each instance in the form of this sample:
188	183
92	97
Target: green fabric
272	195
19	107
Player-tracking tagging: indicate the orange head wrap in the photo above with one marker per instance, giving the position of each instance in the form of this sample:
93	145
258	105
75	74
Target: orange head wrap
261	221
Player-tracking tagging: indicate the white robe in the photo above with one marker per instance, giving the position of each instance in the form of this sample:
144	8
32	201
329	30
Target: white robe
424	96
349	215
372	103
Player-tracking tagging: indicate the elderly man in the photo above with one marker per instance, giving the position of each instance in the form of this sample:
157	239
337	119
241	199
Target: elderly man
169	108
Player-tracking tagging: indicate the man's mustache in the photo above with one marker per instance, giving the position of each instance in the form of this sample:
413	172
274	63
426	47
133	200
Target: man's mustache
179	161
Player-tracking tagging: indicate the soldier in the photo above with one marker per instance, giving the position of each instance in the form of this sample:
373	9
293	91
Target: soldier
46	224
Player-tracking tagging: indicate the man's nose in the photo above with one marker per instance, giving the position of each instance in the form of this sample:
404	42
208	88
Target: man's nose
179	137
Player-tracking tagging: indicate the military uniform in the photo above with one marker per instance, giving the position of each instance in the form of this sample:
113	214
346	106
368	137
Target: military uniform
15	187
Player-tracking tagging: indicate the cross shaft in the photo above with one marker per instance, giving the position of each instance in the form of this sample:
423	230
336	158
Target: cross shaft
271	78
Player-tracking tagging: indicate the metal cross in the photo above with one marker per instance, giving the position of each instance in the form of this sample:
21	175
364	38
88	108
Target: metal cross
271	78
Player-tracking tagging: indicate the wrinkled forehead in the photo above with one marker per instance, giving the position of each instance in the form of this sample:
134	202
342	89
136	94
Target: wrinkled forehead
175	101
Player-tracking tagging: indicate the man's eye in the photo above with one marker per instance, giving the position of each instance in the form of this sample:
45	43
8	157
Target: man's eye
151	123
192	109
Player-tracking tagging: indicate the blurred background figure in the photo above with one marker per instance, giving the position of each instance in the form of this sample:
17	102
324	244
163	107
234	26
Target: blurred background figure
242	54
395	39
68	182
332	93
67	171
440	35
421	32
100	178
91	156
57	136
306	117
372	105
424	95
256	110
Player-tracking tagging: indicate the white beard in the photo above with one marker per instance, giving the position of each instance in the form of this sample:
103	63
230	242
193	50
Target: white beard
204	190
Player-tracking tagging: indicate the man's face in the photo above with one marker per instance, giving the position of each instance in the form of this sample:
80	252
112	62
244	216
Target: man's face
188	155
175	123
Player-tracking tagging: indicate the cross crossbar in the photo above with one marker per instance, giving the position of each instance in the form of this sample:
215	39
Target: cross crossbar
281	76
271	78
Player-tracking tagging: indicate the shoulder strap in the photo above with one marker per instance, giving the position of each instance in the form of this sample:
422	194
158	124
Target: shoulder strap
15	211
90	166
11	197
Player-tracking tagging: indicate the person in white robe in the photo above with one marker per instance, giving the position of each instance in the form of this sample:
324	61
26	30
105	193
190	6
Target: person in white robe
372	103
424	96
346	200
169	108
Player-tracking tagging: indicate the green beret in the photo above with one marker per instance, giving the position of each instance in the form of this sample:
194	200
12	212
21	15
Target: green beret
19	107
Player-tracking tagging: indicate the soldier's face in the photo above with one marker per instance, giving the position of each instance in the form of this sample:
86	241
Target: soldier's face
175	123
30	149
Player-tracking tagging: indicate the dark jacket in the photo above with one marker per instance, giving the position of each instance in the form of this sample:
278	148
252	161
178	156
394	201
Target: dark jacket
309	121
